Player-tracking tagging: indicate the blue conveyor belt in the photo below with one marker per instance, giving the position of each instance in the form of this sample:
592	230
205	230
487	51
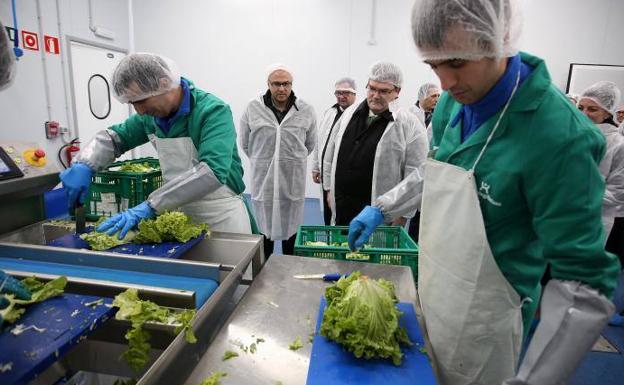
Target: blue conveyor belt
203	288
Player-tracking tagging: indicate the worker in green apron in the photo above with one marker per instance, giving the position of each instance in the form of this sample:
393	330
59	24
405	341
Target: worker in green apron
512	184
194	135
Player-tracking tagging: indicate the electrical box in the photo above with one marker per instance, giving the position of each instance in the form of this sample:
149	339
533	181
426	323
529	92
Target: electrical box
52	129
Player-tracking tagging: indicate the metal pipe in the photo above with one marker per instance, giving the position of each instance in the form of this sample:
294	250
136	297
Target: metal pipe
64	75
46	85
372	40
91	24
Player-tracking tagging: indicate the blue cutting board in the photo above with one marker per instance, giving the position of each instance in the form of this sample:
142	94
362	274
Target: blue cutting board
163	250
32	352
330	364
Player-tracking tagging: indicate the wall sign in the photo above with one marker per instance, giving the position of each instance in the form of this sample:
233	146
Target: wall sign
51	44
30	40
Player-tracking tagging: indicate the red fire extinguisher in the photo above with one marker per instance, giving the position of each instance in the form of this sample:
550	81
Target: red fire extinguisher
69	152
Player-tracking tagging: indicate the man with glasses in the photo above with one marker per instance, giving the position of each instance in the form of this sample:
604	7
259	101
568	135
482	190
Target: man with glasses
376	146
278	131
345	97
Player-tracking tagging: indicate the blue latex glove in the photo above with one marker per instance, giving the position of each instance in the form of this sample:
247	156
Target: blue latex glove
126	220
76	181
363	225
11	285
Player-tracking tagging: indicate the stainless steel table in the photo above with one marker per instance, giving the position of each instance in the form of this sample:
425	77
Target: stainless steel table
278	309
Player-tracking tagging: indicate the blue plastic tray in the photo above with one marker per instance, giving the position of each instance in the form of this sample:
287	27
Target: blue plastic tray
163	250
32	352
330	364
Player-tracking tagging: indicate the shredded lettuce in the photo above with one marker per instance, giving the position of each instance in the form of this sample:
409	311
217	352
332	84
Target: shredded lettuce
362	317
102	241
39	292
138	312
137	167
214	379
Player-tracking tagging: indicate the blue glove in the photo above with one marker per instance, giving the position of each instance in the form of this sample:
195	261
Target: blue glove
127	220
363	225
11	285
76	181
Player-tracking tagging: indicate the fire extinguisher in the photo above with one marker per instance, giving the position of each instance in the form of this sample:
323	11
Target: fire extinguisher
68	152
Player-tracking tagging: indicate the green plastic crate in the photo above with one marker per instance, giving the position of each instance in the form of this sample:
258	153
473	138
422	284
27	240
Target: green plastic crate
390	245
113	191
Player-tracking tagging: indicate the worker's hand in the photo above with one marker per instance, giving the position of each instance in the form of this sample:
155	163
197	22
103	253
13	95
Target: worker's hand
10	285
126	220
363	225
76	181
316	177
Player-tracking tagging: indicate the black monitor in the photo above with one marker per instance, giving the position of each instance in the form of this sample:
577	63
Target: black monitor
8	168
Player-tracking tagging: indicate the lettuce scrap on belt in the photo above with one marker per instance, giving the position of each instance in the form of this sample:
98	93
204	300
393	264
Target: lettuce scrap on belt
138	312
362	317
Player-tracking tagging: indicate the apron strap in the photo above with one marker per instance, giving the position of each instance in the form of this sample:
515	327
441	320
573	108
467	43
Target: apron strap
500	117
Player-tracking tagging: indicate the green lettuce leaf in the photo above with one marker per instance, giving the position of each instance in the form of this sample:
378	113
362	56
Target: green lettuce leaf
102	241
362	317
169	226
138	312
39	292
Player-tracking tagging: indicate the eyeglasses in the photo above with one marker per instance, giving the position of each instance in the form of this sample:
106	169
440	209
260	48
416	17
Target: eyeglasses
343	93
281	84
380	91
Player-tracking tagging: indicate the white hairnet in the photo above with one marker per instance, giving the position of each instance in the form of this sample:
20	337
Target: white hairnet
605	94
350	84
386	72
423	91
278	67
466	29
7	60
141	75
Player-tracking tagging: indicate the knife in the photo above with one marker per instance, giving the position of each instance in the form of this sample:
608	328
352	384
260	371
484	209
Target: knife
79	213
324	277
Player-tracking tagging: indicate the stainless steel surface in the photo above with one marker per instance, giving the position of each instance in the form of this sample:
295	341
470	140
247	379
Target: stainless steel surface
279	308
79	212
224	257
21	199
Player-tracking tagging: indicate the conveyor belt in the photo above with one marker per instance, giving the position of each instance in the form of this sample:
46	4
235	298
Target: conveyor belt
203	288
63	322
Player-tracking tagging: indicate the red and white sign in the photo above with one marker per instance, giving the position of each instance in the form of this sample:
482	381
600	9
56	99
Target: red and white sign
30	40
51	44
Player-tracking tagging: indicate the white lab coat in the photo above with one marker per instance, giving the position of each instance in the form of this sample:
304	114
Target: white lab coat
403	148
323	136
612	169
420	114
278	157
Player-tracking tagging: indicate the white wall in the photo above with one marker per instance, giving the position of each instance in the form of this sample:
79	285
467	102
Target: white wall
23	106
225	45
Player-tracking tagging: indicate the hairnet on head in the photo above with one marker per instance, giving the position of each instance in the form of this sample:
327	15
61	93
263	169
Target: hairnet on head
605	94
466	29
142	75
386	72
423	91
7	60
349	82
278	67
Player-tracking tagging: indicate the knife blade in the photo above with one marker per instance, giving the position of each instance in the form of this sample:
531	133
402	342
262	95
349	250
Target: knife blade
324	277
79	213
